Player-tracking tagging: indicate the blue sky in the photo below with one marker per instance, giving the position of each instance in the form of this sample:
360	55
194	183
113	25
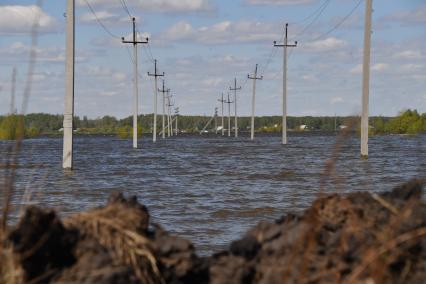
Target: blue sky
202	45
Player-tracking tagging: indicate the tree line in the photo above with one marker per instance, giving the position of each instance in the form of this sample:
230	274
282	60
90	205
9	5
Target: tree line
32	125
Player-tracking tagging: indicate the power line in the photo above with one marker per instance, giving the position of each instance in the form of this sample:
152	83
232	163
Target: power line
99	21
126	9
150	51
344	19
311	15
325	5
273	53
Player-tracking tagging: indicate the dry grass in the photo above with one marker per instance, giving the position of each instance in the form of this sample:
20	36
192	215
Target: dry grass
126	246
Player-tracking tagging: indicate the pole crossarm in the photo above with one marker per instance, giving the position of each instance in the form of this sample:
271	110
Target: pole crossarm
254	77
155	74
134	41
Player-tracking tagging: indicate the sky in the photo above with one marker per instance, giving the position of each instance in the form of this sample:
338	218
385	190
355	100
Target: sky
202	45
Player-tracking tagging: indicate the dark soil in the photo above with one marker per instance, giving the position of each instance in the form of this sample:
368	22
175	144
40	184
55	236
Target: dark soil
356	238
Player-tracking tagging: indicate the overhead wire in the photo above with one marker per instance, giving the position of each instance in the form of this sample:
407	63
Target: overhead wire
319	13
126	9
344	19
310	15
99	21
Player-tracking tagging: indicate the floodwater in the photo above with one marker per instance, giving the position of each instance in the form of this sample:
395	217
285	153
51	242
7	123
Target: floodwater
210	189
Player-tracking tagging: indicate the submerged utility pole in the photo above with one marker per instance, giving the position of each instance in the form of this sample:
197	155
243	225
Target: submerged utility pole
155	75
135	43
235	89
215	120
285	45
253	99
223	126
366	79
169	115
164	91
67	155
176	120
229	102
13	92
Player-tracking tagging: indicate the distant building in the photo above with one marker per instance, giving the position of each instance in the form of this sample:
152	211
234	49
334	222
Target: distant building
303	127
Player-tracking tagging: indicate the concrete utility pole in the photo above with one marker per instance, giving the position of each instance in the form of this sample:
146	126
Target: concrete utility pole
215	120
223	126
229	102
235	89
169	115
155	75
253	99
366	78
285	45
176	120
164	91
67	156
136	73
13	92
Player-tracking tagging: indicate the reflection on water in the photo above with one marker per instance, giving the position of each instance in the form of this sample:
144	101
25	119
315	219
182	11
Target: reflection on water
209	189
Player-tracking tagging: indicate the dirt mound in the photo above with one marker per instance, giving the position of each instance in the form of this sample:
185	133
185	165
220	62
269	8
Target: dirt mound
357	238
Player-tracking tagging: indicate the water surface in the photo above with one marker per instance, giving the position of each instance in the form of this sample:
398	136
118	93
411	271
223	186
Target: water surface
210	189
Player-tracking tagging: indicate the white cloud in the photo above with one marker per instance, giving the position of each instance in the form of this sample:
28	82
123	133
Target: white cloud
103	72
336	100
155	5
223	32
417	16
410	54
310	78
279	2
108	93
411	68
101	15
378	67
327	44
20	19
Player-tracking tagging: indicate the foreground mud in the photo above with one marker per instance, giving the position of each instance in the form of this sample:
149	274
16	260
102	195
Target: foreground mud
357	238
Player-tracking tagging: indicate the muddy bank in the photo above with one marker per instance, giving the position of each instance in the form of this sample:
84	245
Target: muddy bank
357	238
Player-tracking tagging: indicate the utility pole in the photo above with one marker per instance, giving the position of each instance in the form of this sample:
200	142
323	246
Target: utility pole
155	75
235	89
169	115
176	119
135	43
164	91
253	99
366	79
67	155
285	45
229	102
223	126
215	120
13	92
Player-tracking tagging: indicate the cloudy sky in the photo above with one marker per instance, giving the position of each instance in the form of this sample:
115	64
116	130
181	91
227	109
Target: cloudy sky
202	45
